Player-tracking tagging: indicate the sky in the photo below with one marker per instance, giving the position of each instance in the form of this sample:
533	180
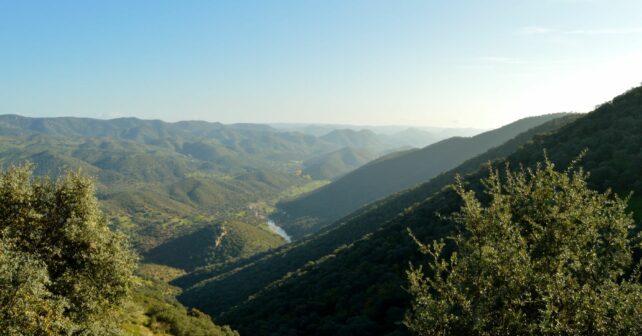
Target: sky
440	63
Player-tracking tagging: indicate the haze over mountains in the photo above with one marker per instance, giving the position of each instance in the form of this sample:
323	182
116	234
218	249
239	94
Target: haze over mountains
195	198
158	180
415	136
321	168
349	278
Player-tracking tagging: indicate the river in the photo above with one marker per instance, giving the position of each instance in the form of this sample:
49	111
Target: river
278	230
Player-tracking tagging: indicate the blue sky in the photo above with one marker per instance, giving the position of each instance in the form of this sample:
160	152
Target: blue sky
440	63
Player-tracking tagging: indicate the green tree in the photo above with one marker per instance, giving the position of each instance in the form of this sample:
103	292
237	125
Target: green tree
26	306
62	270
541	254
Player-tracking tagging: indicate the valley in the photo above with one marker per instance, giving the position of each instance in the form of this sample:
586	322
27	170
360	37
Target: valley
350	275
167	185
321	168
230	220
197	198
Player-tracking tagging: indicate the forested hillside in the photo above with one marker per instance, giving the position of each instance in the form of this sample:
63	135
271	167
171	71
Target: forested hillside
65	272
354	139
218	289
203	247
355	286
388	175
187	194
157	180
154	311
396	136
321	168
335	164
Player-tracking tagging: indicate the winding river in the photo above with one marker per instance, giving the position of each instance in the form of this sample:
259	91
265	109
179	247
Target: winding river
278	230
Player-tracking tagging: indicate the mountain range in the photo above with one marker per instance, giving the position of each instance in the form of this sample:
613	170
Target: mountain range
196	197
158	180
349	277
390	174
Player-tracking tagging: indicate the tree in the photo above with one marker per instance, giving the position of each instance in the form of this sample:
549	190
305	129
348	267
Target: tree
26	306
62	270
541	255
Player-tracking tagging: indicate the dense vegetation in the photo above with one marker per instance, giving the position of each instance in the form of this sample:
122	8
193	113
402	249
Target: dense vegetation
203	246
388	175
62	270
396	136
159	181
543	255
348	279
195	196
188	194
337	163
154	310
225	287
354	139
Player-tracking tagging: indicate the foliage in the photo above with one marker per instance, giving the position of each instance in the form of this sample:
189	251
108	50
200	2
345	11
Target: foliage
352	138
336	164
62	269
287	291
213	244
545	256
156	180
265	277
159	273
26	306
155	311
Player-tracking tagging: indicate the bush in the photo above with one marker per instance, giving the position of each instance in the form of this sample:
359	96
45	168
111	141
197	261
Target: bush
62	270
543	255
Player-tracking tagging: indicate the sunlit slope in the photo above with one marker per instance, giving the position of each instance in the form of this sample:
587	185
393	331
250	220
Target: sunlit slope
218	289
391	174
335	164
360	285
214	244
159	180
153	310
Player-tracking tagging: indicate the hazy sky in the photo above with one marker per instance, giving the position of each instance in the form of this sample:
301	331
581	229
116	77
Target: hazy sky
441	63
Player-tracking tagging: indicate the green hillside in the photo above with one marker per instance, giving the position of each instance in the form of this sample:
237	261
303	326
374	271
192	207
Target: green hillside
149	190
357	287
388	175
359	148
352	138
182	192
414	137
154	311
213	244
395	136
157	180
335	164
217	289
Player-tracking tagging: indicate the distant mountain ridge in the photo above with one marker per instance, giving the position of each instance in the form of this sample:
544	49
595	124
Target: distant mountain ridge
336	164
157	180
354	139
396	136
